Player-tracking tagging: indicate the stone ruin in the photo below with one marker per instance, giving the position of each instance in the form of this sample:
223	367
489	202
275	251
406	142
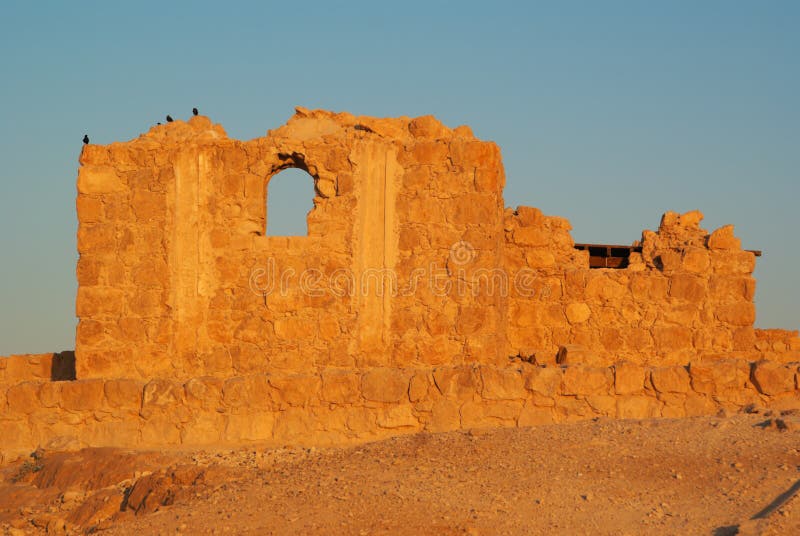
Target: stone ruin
416	301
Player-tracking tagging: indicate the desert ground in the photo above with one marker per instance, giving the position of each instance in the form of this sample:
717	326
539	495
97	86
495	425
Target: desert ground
728	474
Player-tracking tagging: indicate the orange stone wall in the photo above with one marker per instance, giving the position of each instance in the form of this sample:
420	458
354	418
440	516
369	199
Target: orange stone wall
688	295
340	407
416	302
177	278
410	260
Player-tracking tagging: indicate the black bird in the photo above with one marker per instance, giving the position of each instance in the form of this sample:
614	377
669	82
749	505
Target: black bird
194	111
85	139
169	119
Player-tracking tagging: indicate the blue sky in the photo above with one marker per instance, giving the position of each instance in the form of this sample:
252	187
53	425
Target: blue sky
608	113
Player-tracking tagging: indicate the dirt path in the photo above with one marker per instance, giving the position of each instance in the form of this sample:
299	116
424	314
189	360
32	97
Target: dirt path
691	476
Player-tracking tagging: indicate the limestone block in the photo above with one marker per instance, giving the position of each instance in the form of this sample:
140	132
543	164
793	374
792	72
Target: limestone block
205	428
23	397
604	288
293	424
578	313
252	426
670	380
723	238
744	338
638	339
125	394
49	394
531	237
532	415
94	154
628	378
90	209
82	395
732	262
669	338
611	340
699	404
649	287
94	179
397	416
473	415
204	392
637	407
572	354
149	206
428	152
502	384
603	404
472	208
296	390
161	394
717	377
475	154
572	408
544	380
385	385
772	378
418	387
427	126
97	238
471	319
584	380
160	430
669	261
445	416
737	314
505	411
259	395
696	260
529	216
113	433
16	434
341	387
325	188
361	420
687	287
538	259
785	401
460	383
674	405
28	367
490	179
93	301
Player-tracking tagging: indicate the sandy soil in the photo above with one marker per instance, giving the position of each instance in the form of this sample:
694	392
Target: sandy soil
690	476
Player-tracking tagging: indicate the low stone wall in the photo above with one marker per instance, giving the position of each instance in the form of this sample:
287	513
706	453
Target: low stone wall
781	345
26	367
347	406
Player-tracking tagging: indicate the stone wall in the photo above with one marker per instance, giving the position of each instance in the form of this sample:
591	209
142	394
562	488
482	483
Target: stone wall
345	406
27	367
416	301
410	261
176	277
688	295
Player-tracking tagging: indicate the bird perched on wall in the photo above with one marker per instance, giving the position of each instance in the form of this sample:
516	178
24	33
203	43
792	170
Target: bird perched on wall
169	119
85	139
194	111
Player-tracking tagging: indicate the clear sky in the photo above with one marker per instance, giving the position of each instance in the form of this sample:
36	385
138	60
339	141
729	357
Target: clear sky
608	113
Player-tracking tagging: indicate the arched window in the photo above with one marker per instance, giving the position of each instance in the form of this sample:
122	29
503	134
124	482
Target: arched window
290	196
